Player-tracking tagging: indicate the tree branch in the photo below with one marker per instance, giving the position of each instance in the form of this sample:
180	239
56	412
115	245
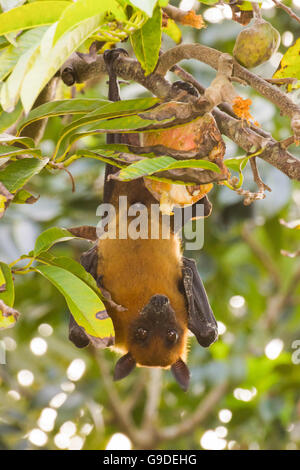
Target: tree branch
249	140
211	57
199	415
288	10
184	17
263	256
252	139
77	70
148	436
154	387
280	301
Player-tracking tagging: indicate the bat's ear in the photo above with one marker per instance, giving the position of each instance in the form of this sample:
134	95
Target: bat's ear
181	373
124	366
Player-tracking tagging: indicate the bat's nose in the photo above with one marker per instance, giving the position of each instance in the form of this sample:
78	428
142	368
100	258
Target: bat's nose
158	302
157	307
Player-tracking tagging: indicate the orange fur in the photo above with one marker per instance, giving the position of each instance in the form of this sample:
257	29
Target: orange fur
135	270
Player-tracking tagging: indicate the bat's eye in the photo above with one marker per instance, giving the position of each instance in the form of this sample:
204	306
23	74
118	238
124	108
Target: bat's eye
172	336
141	334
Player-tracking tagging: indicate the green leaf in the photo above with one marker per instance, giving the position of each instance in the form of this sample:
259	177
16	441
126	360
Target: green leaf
7	321
26	141
146	42
208	2
77	12
247	6
49	237
46	65
173	31
237	164
7	295
145	5
18	173
154	165
108	110
85	305
126	124
8	119
10	151
72	266
11	54
10	90
2	281
3	43
24	197
5	199
11	38
106	157
60	108
7	290
290	63
31	15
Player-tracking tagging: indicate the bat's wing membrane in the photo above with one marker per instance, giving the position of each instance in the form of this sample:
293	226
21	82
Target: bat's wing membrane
89	260
77	335
201	320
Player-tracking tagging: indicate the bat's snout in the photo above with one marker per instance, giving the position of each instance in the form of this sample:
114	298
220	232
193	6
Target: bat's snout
158	302
158	305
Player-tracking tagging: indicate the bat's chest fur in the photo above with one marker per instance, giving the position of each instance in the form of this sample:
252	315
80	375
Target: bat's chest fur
135	270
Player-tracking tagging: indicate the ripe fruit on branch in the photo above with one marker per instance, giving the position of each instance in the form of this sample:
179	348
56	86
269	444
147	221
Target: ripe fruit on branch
256	44
200	136
178	195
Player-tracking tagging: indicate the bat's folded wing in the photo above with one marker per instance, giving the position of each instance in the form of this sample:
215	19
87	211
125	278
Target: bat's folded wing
77	335
201	320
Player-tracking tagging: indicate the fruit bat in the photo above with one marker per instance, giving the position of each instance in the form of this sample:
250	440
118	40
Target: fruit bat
160	291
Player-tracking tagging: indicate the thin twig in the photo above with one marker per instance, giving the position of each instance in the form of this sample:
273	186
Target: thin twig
60	166
285	143
288	10
154	387
263	256
256	9
115	402
256	176
184	17
280	301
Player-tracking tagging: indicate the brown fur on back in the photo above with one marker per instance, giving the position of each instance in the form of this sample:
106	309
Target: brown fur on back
135	270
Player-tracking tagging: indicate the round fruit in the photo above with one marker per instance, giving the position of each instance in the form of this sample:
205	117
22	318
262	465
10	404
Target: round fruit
175	195
200	136
256	44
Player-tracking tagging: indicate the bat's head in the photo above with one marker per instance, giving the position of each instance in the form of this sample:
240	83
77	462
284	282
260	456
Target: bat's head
156	338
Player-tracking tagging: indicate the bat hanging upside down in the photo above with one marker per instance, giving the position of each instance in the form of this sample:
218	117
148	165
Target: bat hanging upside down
160	291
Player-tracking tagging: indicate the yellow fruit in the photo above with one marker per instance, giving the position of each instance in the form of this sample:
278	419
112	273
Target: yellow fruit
175	195
201	136
256	44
